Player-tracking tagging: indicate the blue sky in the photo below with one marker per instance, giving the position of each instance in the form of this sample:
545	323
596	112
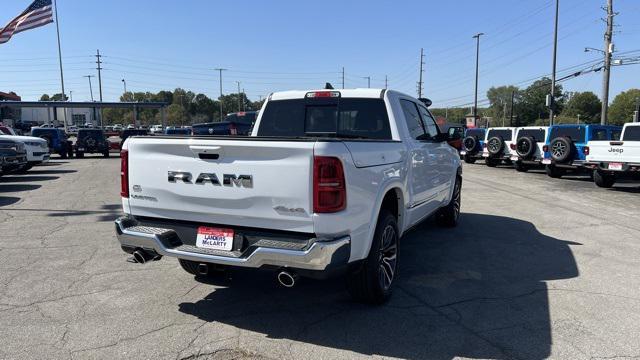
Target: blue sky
279	45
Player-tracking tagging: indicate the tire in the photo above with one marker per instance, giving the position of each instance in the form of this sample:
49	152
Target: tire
449	215
24	169
491	162
525	147
64	154
371	281
554	171
562	149
520	167
469	160
79	154
603	180
495	145
106	154
470	143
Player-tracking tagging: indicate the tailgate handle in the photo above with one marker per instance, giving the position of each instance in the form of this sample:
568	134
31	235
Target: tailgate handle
205	156
614	143
206	152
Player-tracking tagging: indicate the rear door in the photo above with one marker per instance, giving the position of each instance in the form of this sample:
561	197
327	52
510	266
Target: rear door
263	184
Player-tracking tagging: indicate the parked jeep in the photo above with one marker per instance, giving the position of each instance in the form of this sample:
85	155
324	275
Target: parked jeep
566	147
529	147
472	145
499	146
91	141
616	159
13	155
56	139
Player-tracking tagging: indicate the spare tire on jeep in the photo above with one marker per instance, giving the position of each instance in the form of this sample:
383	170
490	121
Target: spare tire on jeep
561	149
470	144
495	145
525	147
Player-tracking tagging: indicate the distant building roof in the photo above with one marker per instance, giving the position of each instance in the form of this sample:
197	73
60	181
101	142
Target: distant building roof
9	96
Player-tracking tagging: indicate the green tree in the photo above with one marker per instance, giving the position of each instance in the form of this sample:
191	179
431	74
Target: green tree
500	101
54	97
585	104
623	106
533	104
203	107
177	115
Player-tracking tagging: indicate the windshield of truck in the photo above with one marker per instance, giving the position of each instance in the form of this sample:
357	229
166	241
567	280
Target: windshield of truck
346	118
246	118
576	134
536	134
632	133
504	134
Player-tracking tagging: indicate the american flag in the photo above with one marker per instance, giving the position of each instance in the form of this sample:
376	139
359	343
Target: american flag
39	13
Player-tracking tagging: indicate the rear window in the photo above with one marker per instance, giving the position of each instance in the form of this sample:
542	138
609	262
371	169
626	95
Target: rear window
504	134
537	134
90	133
632	133
247	118
475	132
576	134
346	118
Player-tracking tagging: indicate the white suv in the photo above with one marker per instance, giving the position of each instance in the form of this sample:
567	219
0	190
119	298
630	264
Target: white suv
499	145
529	147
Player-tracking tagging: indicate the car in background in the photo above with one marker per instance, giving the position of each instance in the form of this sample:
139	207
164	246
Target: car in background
72	129
131	132
91	141
36	148
118	127
455	133
472	144
240	123
7	130
131	127
57	141
615	159
566	146
155	129
529	147
13	155
499	146
177	131
88	125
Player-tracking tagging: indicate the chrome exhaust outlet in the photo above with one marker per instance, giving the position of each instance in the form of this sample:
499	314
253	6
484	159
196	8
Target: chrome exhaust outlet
141	256
203	269
287	279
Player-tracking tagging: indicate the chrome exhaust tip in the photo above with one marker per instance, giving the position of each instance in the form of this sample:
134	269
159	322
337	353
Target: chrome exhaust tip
287	279
140	256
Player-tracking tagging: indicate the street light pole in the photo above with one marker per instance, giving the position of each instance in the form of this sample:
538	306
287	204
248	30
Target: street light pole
368	80
90	88
553	72
124	83
475	99
220	70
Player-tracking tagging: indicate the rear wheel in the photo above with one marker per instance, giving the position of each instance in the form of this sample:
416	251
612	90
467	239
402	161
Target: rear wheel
491	162
554	171
469	160
106	153
371	281
448	216
603	180
520	167
79	155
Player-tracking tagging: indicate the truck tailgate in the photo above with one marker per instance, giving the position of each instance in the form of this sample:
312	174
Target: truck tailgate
616	151
255	183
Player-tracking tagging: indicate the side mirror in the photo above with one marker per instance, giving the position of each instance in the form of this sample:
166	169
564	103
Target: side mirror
426	101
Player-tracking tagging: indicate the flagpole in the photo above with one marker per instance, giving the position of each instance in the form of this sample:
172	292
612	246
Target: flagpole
64	110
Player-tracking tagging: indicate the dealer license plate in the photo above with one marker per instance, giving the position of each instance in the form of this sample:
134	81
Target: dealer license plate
485	154
546	161
514	158
214	238
463	152
615	166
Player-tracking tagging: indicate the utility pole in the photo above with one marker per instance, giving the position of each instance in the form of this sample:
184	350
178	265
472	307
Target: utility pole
243	103
636	114
90	88
421	71
343	77
475	99
386	82
124	83
99	68
368	80
504	113
55	6
513	95
608	52
552	100
239	101
220	70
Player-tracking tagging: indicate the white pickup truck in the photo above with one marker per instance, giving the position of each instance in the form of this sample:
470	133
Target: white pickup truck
611	160
326	184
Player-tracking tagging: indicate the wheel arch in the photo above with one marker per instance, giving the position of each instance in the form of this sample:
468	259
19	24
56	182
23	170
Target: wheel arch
393	198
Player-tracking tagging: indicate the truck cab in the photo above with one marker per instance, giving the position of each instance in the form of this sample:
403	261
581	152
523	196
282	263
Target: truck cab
566	146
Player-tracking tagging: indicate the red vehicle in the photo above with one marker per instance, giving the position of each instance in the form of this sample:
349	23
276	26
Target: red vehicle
456	133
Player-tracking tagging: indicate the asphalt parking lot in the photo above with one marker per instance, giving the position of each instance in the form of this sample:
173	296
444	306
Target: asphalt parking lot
539	268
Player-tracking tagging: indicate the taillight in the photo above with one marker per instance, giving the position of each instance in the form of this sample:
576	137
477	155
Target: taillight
512	146
232	129
585	150
124	173
545	148
329	191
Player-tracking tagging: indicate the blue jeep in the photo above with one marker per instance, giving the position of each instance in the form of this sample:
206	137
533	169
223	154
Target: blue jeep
56	139
472	145
566	146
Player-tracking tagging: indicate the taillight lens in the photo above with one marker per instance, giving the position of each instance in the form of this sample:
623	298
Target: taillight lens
545	148
512	146
124	173
329	190
586	150
232	129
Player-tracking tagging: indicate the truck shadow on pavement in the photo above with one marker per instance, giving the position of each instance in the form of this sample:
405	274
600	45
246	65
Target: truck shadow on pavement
476	291
107	212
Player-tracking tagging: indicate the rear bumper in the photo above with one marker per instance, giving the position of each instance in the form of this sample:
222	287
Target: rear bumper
604	166
318	256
